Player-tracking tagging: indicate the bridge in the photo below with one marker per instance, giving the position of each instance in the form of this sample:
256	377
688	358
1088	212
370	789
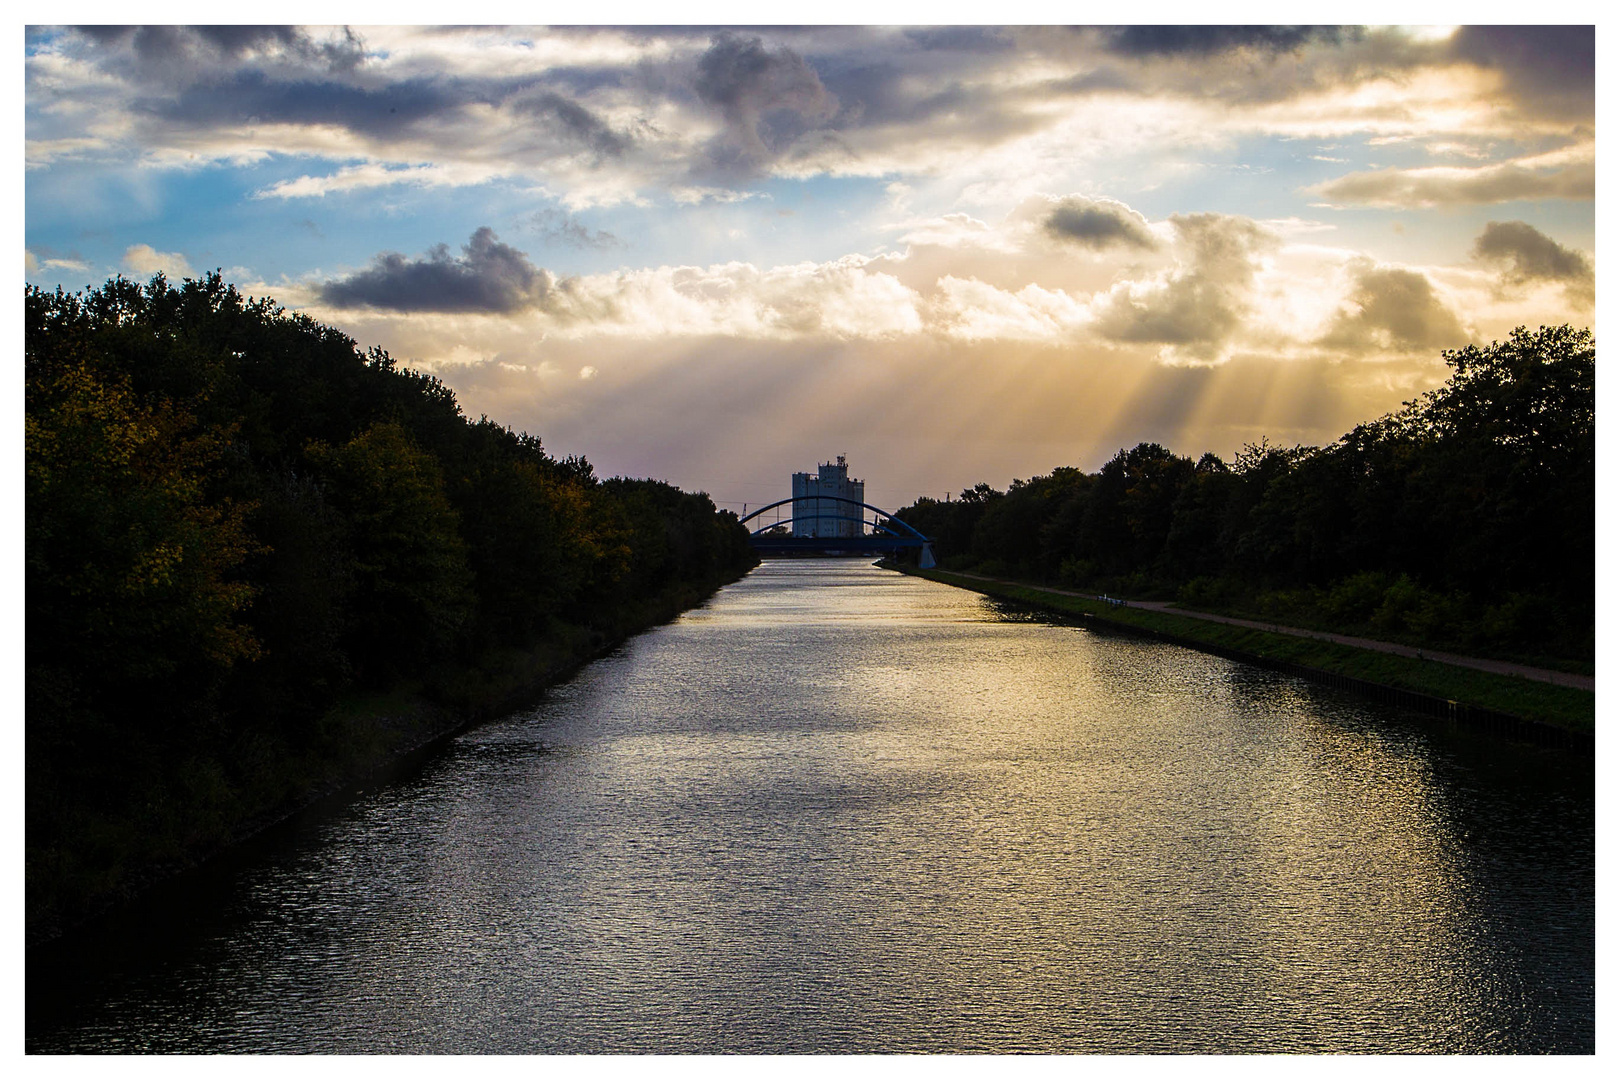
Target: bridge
889	532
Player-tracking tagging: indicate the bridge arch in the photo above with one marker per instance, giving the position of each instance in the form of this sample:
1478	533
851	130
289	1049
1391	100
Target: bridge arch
883	522
874	523
878	510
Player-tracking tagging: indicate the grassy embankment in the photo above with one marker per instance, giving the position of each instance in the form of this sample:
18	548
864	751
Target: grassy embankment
363	739
1544	703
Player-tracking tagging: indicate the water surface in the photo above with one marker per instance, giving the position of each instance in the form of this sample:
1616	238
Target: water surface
838	809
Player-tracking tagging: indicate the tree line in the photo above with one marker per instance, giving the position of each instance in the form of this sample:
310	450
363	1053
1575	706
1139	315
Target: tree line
235	517
1463	521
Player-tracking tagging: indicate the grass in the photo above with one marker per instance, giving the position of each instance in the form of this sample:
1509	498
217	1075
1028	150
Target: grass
1560	706
1553	645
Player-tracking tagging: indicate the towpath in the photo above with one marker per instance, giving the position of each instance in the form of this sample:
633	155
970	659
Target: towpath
1498	667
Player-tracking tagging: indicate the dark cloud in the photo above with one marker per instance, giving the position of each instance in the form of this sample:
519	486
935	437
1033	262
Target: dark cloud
186	52
912	93
1549	70
1207	40
1391	308
884	92
1203	302
1232	64
574	121
786	94
1423	188
197	79
1523	254
253	95
488	277
740	75
968	39
385	111
236	41
767	97
1098	224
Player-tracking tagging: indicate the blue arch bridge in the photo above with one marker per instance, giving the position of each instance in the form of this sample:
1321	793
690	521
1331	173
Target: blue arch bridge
888	533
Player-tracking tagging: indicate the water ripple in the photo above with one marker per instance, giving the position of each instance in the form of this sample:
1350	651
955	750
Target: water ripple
839	810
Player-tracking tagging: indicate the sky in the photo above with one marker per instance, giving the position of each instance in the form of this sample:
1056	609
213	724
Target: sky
954	254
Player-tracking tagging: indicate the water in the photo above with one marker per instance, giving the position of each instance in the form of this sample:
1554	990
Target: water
842	810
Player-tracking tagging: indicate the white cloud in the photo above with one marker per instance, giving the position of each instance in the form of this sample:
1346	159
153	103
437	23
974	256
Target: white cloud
971	310
375	175
1213	287
1569	174
144	261
954	231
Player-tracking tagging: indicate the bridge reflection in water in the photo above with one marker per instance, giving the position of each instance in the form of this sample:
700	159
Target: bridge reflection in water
888	533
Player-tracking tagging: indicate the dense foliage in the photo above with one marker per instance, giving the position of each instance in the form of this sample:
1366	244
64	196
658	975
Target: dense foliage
1463	521
234	516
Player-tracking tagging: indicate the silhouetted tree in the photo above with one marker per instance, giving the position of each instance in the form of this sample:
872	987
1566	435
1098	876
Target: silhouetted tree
232	513
1467	513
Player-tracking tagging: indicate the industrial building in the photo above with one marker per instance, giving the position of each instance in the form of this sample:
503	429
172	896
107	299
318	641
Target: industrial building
815	516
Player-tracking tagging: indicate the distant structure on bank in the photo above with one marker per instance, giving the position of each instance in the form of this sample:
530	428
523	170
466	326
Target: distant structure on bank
822	517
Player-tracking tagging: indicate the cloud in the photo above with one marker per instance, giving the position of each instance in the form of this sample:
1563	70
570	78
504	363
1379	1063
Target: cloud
614	115
1451	186
845	299
363	177
1218	287
972	310
1395	309
1197	307
1547	70
142	260
766	97
1524	255
557	227
971	39
573	122
1157	40
489	277
1099	224
168	53
251	96
33	263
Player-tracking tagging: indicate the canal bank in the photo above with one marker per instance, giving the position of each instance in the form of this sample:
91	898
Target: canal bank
366	739
1510	706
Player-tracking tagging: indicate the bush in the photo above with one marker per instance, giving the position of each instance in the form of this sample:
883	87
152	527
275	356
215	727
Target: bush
1076	573
1354	600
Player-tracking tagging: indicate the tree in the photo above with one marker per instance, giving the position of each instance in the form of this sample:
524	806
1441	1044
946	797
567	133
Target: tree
413	589
1532	394
130	564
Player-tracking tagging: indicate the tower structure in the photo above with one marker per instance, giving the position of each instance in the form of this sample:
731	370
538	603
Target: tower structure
817	516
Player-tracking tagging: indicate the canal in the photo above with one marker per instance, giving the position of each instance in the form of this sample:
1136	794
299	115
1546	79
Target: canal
842	810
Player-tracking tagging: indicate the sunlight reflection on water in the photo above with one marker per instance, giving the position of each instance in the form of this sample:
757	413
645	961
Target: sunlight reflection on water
842	810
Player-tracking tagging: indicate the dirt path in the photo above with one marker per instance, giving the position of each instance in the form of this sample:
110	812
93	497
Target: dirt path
1498	667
